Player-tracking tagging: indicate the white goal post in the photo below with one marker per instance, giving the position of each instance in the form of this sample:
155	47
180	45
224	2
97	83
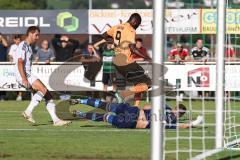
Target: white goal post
159	149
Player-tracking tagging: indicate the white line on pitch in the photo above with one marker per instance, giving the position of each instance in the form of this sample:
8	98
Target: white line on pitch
99	130
76	130
18	111
90	130
18	129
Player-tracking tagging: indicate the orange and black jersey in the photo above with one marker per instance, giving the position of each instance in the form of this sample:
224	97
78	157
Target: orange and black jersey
123	35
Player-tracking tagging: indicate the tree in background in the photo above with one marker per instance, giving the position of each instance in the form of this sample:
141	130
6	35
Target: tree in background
22	4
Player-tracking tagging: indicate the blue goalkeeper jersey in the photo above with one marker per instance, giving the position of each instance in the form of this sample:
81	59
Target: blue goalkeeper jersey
170	118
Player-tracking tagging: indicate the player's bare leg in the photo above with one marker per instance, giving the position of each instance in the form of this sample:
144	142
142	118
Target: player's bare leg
42	92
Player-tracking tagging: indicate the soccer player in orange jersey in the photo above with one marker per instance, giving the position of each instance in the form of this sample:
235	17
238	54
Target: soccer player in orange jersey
124	36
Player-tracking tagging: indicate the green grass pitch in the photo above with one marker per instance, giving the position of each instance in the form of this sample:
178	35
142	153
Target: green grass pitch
87	140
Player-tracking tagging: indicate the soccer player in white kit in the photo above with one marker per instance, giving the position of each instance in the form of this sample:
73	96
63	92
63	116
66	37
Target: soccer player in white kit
23	63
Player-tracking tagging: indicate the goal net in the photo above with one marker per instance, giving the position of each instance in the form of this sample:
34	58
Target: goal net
199	142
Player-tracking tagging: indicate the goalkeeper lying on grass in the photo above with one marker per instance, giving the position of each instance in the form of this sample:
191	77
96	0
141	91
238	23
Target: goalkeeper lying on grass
122	115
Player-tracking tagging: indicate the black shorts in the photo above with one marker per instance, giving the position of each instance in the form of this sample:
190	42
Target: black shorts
108	77
134	73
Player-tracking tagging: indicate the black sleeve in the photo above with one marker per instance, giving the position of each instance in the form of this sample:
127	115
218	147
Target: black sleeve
74	43
134	50
106	36
55	43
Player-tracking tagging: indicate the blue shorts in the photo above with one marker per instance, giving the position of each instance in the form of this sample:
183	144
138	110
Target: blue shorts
126	115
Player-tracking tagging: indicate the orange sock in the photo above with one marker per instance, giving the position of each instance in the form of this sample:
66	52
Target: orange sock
141	87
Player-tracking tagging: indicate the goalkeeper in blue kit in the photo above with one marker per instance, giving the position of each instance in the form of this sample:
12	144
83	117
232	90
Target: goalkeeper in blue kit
123	115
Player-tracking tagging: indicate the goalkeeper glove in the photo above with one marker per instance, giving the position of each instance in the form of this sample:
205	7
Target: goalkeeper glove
198	121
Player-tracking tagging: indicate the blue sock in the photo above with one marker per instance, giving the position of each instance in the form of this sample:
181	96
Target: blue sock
91	116
96	103
96	117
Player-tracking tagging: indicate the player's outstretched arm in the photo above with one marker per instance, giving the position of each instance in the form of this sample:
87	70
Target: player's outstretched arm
195	123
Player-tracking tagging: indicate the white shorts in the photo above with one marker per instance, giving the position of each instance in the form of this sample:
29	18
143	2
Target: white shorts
30	77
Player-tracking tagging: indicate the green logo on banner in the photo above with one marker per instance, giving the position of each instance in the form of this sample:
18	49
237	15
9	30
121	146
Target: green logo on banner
66	16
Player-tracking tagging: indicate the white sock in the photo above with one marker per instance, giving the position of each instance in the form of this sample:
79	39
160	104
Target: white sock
36	99
52	111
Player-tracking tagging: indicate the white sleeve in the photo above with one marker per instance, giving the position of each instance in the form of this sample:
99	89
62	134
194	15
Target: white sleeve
11	51
21	51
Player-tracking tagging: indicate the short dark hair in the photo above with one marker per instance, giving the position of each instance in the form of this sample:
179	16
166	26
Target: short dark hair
199	39
135	20
32	29
139	40
135	16
179	44
182	108
18	36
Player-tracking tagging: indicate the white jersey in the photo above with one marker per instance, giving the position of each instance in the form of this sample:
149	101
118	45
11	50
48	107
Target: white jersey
13	50
24	51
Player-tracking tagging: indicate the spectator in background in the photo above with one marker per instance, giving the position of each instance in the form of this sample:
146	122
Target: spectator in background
13	51
3	58
109	71
139	45
230	53
45	53
200	53
13	47
92	63
64	48
90	52
179	54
